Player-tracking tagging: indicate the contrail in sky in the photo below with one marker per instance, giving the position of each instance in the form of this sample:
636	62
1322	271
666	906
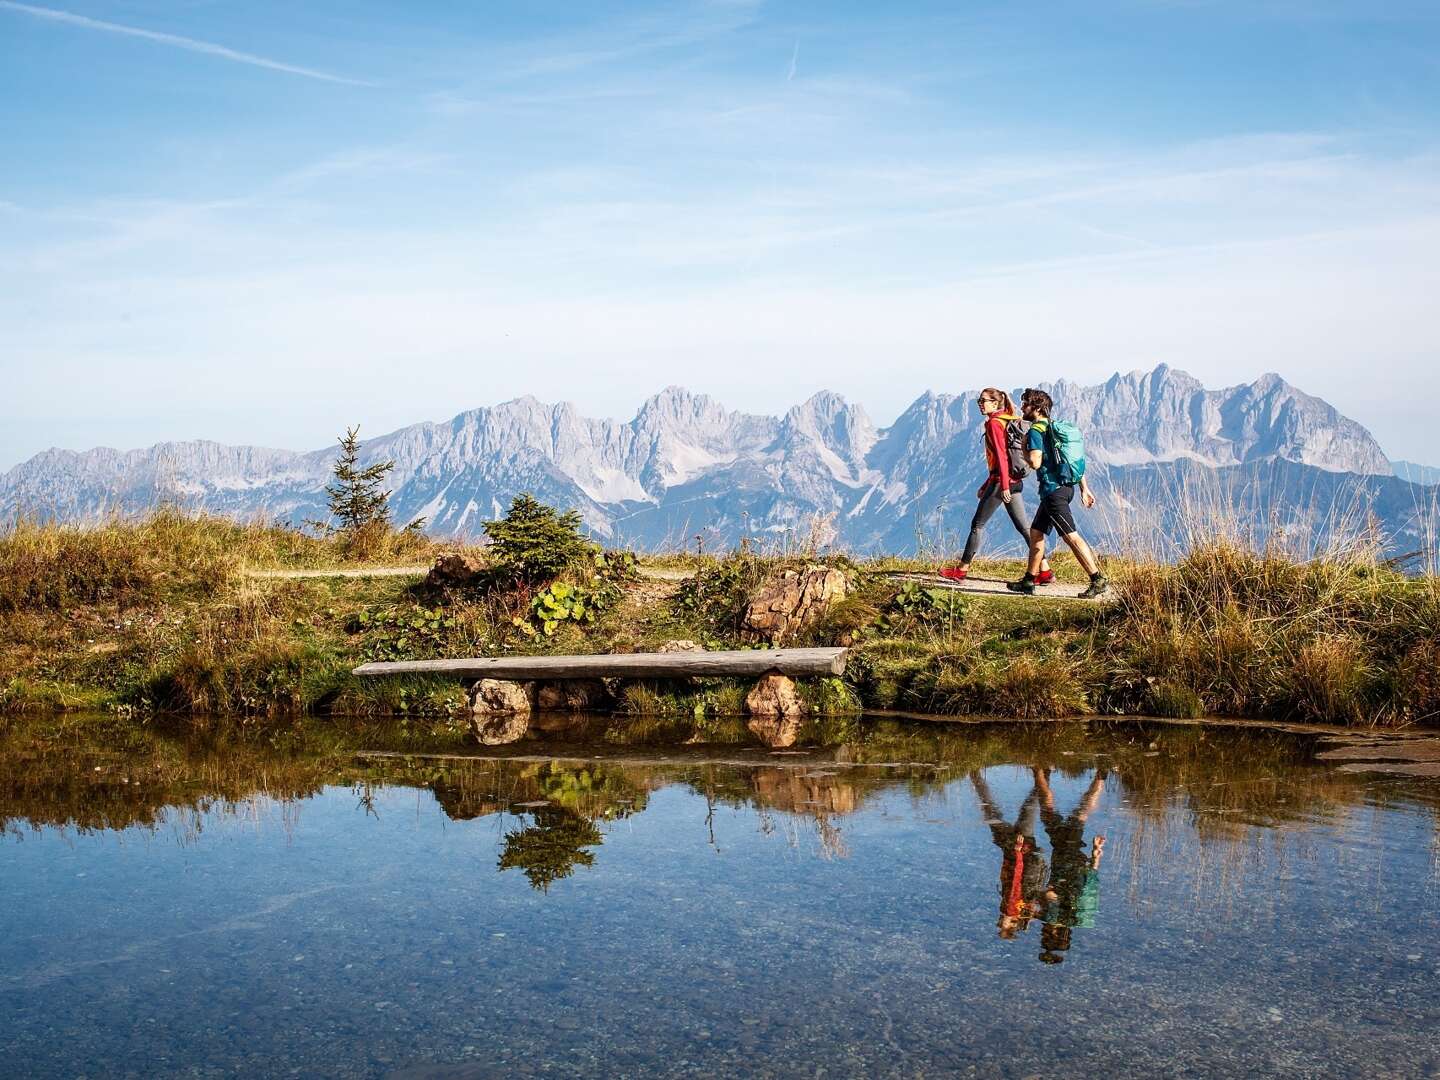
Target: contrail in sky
175	40
794	61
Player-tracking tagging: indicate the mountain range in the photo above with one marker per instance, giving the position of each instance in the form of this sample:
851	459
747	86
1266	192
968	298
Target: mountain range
1162	447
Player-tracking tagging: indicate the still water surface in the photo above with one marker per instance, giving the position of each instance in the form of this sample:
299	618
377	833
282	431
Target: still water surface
182	907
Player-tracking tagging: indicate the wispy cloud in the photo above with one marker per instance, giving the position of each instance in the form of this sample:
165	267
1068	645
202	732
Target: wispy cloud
794	62
176	41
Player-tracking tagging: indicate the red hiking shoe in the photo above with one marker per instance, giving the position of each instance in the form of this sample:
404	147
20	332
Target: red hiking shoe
954	573
1045	577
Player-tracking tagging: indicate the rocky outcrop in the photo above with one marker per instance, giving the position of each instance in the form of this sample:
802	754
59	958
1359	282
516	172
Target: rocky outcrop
776	711
791	602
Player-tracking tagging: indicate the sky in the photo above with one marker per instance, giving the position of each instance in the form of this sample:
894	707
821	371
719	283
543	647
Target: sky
261	222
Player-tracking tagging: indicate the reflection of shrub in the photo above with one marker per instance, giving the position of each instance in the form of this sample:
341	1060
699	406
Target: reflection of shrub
551	848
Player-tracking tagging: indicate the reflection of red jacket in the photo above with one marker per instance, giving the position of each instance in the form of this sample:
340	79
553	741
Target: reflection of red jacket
1015	892
997	452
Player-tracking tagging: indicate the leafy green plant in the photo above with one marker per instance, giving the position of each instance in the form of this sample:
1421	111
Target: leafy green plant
564	602
415	633
718	593
561	603
915	603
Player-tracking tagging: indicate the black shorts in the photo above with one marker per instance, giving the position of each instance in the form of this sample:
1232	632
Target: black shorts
1054	512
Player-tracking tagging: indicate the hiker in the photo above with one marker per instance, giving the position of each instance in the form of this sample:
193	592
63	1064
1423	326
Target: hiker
1022	866
1072	895
1057	454
1003	435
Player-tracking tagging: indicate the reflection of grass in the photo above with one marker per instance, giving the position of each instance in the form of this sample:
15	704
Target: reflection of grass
1222	787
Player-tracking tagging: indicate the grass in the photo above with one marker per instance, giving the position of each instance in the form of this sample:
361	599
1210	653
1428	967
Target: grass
158	616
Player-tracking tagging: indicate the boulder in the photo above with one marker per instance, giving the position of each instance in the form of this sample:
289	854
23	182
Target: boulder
453	569
792	601
776	711
501	697
500	710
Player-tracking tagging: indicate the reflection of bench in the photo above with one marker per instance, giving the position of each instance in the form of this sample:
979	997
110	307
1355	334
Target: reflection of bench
505	691
740	663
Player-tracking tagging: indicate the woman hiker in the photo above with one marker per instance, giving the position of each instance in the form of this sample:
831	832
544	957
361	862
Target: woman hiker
1005	482
1022	865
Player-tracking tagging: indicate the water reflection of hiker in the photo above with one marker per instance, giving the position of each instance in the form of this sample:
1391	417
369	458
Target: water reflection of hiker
1022	866
1072	896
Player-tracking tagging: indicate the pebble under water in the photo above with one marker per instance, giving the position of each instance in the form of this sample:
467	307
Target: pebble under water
919	902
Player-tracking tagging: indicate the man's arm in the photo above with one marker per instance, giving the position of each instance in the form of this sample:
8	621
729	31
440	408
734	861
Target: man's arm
1087	497
1037	457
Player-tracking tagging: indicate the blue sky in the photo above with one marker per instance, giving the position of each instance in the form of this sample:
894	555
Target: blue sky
258	222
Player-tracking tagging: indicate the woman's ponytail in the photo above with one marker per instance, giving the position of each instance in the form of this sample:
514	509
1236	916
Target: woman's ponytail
1006	404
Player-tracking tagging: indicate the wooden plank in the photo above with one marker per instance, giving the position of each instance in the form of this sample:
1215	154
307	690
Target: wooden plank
674	665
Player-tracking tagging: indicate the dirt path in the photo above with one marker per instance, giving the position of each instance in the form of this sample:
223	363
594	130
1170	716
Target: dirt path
979	586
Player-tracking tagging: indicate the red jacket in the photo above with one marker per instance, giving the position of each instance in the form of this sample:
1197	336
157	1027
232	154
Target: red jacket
997	452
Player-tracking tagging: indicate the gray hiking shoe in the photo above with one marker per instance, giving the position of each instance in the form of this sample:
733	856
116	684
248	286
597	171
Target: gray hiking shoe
1099	586
1024	585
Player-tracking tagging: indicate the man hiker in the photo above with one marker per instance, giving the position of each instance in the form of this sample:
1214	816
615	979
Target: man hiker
1057	454
1072	896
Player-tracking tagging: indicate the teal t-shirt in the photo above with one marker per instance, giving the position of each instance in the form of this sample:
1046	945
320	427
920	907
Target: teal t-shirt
1048	475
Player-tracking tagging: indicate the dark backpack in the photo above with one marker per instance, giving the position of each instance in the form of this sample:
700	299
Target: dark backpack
1017	433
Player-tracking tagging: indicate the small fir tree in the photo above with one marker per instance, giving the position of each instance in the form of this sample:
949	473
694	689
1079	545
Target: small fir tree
533	543
356	497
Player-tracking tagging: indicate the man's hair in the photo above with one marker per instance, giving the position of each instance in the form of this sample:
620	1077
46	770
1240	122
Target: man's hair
1037	400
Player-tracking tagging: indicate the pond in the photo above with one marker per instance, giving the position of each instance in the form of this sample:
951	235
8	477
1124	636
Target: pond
914	901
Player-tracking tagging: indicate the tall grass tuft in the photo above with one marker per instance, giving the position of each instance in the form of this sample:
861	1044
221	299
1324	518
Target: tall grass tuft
1236	631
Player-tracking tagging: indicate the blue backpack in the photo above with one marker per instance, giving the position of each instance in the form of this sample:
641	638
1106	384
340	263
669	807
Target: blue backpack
1066	447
